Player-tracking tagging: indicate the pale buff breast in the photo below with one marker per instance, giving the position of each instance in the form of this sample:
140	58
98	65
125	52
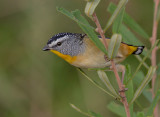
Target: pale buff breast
93	57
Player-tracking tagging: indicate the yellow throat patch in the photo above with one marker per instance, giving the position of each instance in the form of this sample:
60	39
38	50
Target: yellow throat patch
67	58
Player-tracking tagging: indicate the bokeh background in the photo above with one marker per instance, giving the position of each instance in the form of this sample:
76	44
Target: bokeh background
34	83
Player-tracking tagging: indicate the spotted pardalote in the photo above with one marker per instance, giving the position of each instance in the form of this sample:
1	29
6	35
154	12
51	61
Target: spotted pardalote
80	51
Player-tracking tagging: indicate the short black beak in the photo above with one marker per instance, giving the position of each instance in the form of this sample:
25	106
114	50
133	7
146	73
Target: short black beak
46	48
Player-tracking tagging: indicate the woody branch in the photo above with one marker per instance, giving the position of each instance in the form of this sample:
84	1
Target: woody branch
153	55
120	84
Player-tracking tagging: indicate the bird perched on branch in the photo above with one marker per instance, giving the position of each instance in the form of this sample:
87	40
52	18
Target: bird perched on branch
80	51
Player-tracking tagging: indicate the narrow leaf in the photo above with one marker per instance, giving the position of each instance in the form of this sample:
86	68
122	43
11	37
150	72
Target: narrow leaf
128	36
85	26
118	21
93	114
148	95
140	114
79	110
140	60
154	103
129	21
127	73
93	82
102	75
90	7
143	84
121	5
65	12
138	104
129	95
114	45
70	15
139	77
117	109
130	92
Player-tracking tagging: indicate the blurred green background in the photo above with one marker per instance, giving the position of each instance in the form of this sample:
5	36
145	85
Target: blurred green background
34	83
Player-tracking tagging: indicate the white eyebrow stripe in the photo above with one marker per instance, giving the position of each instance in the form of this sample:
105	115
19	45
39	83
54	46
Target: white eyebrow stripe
58	40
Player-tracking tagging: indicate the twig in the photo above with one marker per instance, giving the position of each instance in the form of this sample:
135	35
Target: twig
153	56
99	29
121	86
122	90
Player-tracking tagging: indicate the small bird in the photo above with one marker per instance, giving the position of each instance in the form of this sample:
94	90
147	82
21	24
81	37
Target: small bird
78	50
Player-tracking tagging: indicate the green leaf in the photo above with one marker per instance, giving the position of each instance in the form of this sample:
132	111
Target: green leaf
127	73
117	109
128	36
130	92
70	15
93	114
89	114
154	103
143	84
93	82
140	114
114	45
139	77
120	6
65	12
129	95
79	110
140	59
90	7
85	26
139	105
118	22
129	21
146	92
102	75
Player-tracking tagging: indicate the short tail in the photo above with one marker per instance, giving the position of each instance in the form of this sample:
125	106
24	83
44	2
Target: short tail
139	50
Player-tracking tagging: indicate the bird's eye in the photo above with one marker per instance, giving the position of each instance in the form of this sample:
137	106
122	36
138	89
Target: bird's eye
59	43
